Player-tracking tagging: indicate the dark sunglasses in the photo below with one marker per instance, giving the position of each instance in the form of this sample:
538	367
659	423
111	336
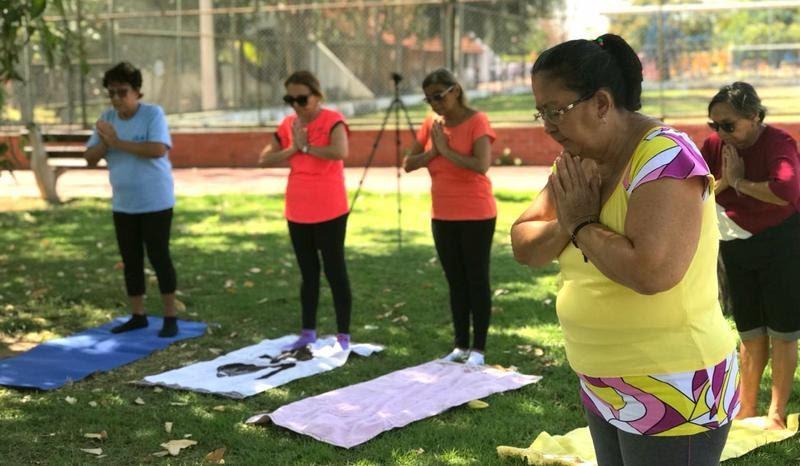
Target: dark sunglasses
301	100
121	92
439	96
728	127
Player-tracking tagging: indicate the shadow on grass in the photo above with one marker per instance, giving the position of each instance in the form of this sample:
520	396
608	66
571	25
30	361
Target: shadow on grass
236	269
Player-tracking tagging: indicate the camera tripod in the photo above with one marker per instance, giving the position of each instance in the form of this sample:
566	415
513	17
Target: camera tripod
396	105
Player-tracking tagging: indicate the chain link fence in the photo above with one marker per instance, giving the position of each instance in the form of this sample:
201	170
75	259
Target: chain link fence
689	51
210	65
213	63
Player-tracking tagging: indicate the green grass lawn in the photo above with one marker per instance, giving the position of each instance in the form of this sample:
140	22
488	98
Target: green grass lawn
58	276
676	105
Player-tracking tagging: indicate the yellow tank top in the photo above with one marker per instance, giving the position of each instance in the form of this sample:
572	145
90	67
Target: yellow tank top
611	330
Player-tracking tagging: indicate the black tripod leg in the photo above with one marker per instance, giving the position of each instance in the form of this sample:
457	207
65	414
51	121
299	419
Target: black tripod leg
398	162
372	154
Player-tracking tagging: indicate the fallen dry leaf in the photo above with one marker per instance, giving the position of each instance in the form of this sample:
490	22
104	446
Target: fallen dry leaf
233	335
219	408
92	451
71	400
248	284
158	390
174	447
119	266
255	270
160	453
168	427
477	404
215	351
93	404
402	318
98	436
216	456
139	401
178	403
180	306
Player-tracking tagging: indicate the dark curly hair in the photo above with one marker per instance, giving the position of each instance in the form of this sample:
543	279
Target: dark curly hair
124	72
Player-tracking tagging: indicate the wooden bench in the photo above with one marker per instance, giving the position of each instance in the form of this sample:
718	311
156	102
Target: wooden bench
65	149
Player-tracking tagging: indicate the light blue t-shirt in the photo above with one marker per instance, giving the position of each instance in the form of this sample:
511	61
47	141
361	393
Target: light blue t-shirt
139	184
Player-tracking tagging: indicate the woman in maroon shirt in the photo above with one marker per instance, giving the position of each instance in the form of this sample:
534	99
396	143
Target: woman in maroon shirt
758	197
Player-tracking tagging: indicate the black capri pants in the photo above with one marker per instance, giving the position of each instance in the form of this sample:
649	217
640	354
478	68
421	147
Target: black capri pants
762	276
464	248
150	231
309	241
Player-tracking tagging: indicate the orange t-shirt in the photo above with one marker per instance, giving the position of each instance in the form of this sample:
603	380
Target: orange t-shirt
458	193
315	191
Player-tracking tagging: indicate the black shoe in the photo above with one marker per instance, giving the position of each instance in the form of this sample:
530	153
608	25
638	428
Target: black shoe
136	321
170	327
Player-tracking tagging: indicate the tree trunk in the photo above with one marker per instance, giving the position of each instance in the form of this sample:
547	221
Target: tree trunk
46	176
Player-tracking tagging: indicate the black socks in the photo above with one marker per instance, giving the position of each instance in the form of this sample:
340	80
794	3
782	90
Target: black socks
170	328
136	321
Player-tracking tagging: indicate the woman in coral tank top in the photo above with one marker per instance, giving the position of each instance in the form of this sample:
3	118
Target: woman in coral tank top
314	141
455	146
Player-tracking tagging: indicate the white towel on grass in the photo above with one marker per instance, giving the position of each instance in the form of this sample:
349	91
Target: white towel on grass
257	373
353	415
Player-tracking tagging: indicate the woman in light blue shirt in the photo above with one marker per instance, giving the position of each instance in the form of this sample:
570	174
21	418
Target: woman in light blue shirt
134	139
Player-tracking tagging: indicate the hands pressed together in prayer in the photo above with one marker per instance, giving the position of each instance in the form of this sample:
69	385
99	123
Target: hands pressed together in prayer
107	133
299	135
576	189
732	166
439	139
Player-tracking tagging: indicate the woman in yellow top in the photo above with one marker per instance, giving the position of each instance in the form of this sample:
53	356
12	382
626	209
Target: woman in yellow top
629	213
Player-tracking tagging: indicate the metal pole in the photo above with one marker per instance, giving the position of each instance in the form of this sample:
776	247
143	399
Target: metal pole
179	55
112	46
82	58
448	33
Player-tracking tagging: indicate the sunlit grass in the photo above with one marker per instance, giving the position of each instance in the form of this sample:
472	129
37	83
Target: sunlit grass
58	276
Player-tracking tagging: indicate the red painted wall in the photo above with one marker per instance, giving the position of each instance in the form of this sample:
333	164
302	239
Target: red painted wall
240	148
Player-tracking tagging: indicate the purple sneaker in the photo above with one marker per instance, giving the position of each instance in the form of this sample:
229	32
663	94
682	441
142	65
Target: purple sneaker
344	340
306	338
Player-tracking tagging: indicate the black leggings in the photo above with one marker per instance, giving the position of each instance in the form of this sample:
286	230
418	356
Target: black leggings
150	230
464	248
327	238
614	447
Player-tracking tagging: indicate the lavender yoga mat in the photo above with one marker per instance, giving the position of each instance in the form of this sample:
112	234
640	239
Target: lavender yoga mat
352	415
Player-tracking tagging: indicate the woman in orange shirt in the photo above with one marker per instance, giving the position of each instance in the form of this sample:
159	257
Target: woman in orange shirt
314	141
456	148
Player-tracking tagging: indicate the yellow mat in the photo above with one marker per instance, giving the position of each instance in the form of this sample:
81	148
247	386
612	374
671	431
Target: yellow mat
575	448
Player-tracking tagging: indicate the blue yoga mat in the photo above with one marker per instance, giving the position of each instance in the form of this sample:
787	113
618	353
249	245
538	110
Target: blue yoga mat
54	363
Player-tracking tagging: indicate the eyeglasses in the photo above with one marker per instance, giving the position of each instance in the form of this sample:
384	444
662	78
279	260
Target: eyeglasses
438	97
300	100
120	92
554	116
727	126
